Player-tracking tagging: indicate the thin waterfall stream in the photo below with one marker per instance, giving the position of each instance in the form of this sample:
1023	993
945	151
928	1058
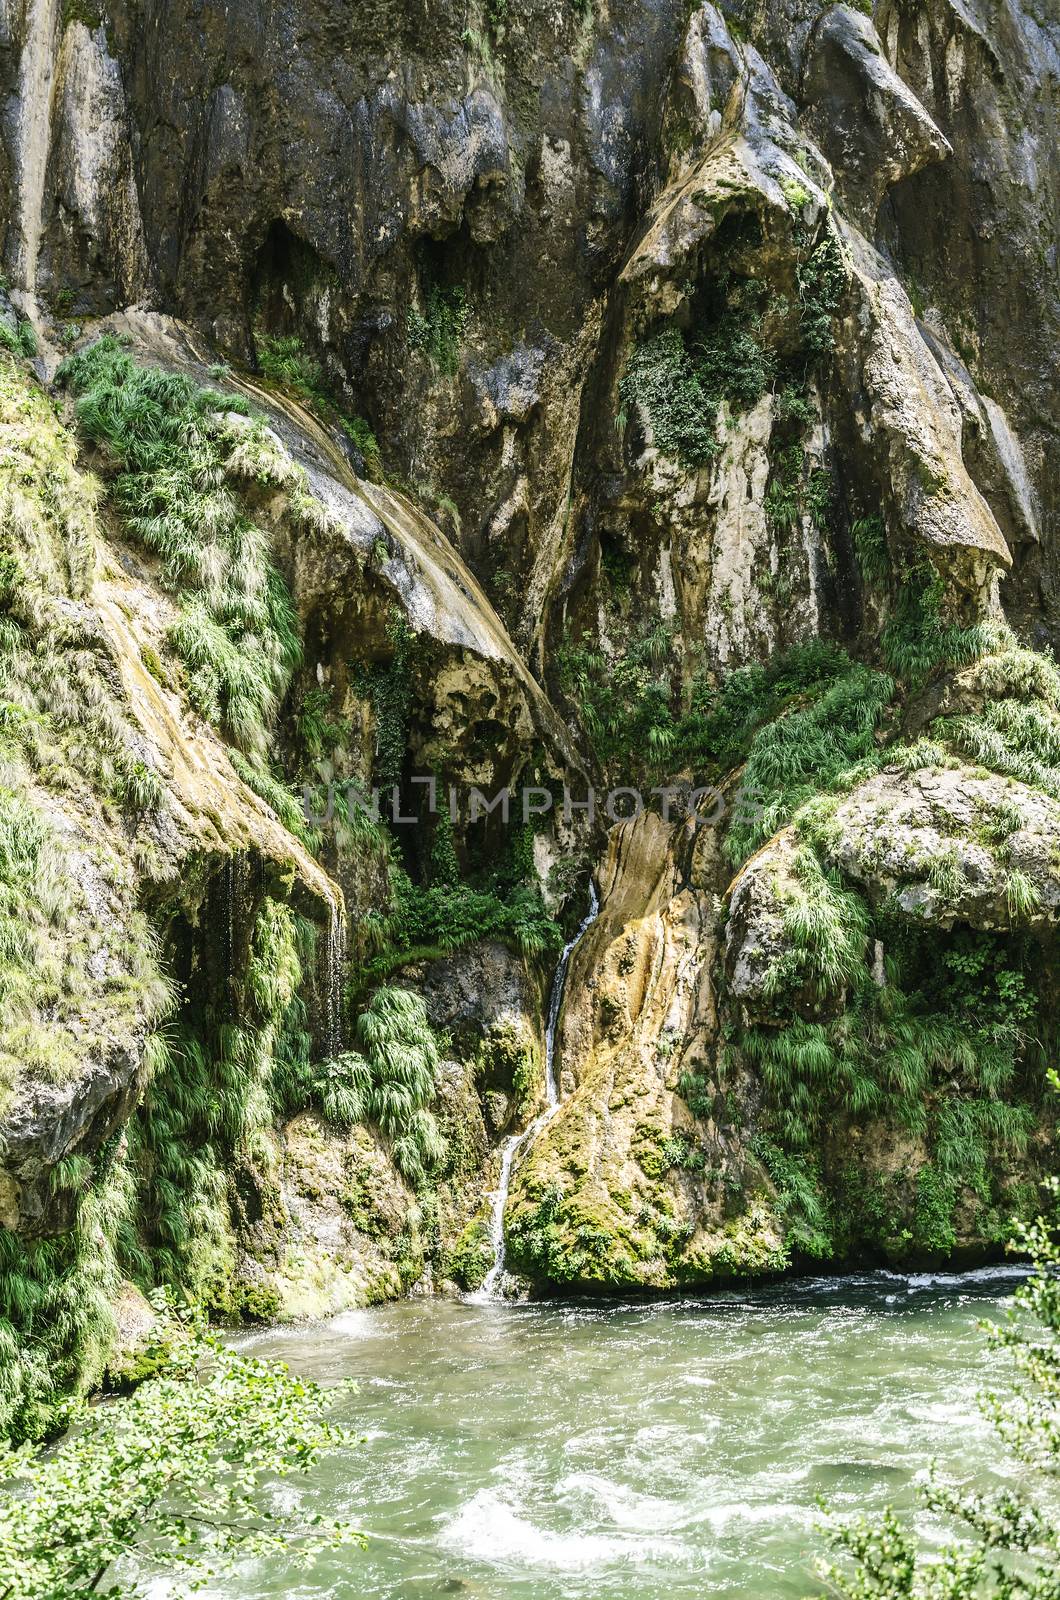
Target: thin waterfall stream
334	967
520	1142
36	84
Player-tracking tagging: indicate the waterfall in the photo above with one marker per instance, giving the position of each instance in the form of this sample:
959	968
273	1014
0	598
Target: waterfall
519	1142
36	80
334	967
228	895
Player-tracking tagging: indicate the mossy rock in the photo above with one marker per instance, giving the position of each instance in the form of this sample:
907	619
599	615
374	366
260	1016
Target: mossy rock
470	1257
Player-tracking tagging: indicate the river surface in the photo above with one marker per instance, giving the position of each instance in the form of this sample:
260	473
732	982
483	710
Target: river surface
568	1450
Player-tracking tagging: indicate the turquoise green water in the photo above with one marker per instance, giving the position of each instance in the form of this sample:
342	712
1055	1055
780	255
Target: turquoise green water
564	1451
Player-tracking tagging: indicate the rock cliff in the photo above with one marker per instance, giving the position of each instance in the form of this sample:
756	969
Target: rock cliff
403	412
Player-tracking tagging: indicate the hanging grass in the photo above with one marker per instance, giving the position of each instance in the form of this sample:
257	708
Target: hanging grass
804	754
389	1081
178	453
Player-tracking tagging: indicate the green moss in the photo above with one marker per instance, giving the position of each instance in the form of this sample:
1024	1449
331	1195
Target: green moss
566	1240
507	1056
361	1199
258	1302
470	1258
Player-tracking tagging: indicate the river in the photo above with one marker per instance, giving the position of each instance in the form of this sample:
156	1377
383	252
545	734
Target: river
562	1451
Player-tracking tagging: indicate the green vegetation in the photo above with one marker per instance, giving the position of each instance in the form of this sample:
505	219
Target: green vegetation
798	1184
358	430
1004	1542
638	725
661	378
18	337
1017	732
52	1010
389	686
173	1476
869	538
944	1050
426	920
471	1257
680	380
824	928
56	1314
916	641
388	1081
179	452
65	743
285	361
625	705
792	493
829	744
439	328
822	283
206	1108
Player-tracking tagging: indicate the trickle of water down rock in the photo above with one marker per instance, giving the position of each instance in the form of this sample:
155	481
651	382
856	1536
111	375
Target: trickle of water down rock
519	1143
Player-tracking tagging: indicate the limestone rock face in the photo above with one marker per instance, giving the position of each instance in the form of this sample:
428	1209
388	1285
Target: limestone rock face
977	230
941	846
618	382
868	122
755	935
625	1187
953	845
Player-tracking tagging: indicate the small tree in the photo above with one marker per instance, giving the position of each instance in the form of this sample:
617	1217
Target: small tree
174	1478
1008	1542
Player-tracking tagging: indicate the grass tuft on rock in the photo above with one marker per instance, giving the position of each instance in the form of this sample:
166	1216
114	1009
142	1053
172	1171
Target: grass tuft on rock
177	453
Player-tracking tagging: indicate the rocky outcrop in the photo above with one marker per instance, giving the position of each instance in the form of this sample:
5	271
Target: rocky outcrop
626	1187
595	396
867	121
85	662
951	845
